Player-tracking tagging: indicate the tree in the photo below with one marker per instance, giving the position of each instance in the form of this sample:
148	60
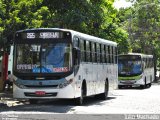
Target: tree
19	14
143	27
94	17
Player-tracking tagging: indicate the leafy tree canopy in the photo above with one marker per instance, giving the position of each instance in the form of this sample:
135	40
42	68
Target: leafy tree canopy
94	17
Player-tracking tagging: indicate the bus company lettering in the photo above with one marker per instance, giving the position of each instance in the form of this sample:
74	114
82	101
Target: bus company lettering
30	66
49	35
26	66
37	67
62	69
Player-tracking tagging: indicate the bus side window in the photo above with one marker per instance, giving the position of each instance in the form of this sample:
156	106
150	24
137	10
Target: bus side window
82	50
149	65
98	53
95	52
105	52
90	53
148	62
144	64
109	59
87	51
145	60
113	55
116	55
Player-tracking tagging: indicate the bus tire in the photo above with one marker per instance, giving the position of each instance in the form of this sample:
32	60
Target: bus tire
120	86
33	101
104	95
79	100
149	85
143	86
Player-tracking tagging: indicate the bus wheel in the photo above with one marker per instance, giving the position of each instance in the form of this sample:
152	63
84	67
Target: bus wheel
79	100
149	85
33	101
120	86
143	86
104	95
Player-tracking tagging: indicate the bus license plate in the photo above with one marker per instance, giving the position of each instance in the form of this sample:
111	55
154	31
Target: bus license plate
40	93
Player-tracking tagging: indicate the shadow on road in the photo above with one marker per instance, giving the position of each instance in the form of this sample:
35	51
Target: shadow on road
25	106
7	103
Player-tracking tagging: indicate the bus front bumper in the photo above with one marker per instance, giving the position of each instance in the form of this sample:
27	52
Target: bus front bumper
43	93
133	83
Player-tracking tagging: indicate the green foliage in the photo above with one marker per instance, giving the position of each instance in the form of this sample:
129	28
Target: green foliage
94	17
142	24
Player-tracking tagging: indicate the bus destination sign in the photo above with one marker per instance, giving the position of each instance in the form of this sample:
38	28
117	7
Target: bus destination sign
44	35
129	57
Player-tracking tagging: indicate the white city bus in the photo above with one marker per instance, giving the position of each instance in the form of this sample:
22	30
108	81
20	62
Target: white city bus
54	63
135	69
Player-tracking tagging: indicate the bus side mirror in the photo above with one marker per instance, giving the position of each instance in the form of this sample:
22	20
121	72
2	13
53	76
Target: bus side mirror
76	55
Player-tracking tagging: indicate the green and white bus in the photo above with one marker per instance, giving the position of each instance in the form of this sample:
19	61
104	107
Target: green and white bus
52	63
135	69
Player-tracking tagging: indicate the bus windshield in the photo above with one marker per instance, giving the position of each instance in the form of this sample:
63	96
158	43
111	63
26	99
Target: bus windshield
129	67
43	58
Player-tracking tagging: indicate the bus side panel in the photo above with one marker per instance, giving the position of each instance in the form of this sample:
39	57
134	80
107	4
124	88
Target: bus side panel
95	76
149	75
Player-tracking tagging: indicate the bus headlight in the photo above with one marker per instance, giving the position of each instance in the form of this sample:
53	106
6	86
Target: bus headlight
67	82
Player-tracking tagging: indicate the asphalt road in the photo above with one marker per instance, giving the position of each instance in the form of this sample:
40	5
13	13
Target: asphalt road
121	102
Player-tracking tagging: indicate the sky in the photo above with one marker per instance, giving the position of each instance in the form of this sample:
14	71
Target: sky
121	3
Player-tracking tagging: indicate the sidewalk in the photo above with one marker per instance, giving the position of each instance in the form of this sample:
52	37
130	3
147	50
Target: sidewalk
5	97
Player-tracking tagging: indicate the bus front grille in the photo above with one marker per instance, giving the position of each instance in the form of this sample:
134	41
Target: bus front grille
128	82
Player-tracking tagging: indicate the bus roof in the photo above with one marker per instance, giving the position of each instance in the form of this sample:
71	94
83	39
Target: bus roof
79	34
140	54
